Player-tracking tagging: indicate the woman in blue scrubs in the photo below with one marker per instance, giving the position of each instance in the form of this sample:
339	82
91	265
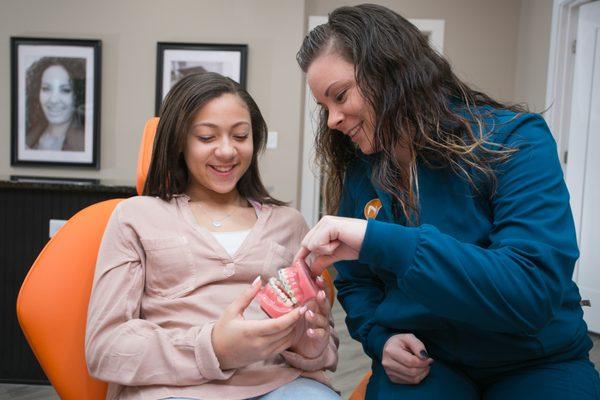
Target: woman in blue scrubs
453	241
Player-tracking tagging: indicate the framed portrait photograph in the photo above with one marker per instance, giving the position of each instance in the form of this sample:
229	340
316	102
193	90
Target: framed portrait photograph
55	102
176	60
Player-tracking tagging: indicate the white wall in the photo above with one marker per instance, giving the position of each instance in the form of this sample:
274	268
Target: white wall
129	31
497	46
533	47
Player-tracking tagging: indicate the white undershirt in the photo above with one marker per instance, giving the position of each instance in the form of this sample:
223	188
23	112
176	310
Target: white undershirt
231	241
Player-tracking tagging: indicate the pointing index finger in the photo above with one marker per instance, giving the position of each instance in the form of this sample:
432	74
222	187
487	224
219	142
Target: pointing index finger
302	253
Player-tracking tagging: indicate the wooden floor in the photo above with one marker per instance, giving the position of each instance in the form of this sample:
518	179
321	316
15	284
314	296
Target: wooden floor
353	364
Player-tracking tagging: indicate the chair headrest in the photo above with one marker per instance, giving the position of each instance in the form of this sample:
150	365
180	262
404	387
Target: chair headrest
145	154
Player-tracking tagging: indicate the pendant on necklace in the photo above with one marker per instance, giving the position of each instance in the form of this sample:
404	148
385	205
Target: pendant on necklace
217	224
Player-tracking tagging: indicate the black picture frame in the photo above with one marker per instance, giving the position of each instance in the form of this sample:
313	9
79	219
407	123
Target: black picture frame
174	59
55	102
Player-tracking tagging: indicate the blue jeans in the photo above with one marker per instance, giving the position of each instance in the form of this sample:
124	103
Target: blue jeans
301	389
298	389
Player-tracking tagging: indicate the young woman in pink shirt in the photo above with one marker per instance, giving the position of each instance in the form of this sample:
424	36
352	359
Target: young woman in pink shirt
173	311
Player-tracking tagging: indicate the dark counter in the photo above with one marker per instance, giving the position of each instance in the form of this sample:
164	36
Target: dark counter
71	184
26	206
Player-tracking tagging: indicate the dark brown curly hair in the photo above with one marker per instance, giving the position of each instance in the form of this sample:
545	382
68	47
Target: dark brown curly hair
420	106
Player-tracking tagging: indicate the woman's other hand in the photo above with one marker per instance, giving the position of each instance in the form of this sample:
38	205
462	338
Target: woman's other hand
313	330
238	342
333	239
405	359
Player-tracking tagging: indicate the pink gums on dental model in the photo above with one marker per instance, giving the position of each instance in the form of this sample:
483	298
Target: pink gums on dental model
293	287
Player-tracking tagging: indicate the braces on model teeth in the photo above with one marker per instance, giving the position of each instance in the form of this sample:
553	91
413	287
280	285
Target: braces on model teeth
292	287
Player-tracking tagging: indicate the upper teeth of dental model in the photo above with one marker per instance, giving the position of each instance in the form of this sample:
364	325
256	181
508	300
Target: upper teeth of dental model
289	288
289	284
277	288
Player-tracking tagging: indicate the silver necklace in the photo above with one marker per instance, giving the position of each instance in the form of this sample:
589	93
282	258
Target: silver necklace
217	223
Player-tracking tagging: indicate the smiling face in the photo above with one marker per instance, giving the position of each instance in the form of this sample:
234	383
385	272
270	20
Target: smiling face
333	84
57	96
219	147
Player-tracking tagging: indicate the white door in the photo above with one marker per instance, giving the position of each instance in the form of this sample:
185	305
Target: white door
583	167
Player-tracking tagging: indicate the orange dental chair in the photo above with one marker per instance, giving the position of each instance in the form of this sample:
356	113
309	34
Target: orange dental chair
53	300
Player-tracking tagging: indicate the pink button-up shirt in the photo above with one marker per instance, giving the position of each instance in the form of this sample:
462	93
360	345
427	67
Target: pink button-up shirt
162	281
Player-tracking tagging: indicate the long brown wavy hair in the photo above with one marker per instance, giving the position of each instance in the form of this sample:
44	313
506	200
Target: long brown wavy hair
420	106
168	173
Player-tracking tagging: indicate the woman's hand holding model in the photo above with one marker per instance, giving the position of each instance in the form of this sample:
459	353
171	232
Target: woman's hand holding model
313	330
238	342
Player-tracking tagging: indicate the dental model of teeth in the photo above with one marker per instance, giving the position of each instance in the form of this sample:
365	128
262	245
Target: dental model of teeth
292	287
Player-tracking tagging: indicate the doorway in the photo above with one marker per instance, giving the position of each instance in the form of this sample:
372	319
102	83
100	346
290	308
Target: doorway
582	169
